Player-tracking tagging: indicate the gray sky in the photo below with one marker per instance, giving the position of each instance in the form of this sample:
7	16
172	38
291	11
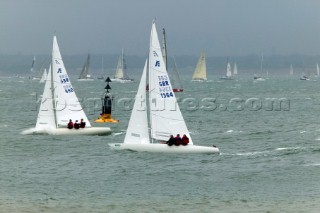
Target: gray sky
221	27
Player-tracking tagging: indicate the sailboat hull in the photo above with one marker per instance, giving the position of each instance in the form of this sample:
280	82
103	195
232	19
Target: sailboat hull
164	148
199	80
177	90
121	80
86	79
66	131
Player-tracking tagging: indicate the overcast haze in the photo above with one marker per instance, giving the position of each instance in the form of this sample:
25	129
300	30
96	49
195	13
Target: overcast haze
221	27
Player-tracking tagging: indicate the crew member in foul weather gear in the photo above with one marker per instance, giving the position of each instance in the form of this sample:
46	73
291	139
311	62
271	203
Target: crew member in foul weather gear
76	124
171	140
82	123
185	140
70	124
178	140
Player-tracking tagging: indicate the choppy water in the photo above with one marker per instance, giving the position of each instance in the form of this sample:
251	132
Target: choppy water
269	159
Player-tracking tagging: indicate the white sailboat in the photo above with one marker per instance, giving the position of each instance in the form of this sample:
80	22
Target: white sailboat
121	74
317	71
258	77
291	69
304	77
235	69
176	81
228	75
85	74
59	103
36	75
44	76
200	73
32	64
164	121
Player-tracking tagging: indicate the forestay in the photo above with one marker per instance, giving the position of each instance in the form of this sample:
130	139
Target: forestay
165	114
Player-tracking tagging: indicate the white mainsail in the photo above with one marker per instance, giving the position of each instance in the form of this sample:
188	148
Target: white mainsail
228	73
121	73
165	115
200	72
46	117
318	70
291	70
137	131
67	105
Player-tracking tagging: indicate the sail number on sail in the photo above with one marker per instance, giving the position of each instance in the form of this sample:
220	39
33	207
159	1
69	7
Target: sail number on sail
64	79
165	88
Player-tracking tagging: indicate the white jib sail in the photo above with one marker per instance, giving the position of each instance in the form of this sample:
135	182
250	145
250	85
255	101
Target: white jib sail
67	105
46	119
318	70
165	115
137	131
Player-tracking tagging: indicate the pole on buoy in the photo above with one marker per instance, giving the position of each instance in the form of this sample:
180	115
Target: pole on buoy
105	116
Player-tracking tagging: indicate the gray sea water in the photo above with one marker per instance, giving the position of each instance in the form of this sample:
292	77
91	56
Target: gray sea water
269	161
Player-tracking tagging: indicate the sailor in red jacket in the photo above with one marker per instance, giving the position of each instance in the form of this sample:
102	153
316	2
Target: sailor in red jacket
185	140
70	124
178	140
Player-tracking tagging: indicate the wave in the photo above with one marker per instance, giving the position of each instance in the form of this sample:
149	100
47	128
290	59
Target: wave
119	133
313	164
233	131
289	148
247	153
267	152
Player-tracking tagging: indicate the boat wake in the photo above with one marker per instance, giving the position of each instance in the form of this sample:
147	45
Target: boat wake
233	131
285	150
247	153
119	133
289	148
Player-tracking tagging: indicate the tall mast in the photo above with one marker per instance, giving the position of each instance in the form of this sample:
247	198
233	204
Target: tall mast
164	47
